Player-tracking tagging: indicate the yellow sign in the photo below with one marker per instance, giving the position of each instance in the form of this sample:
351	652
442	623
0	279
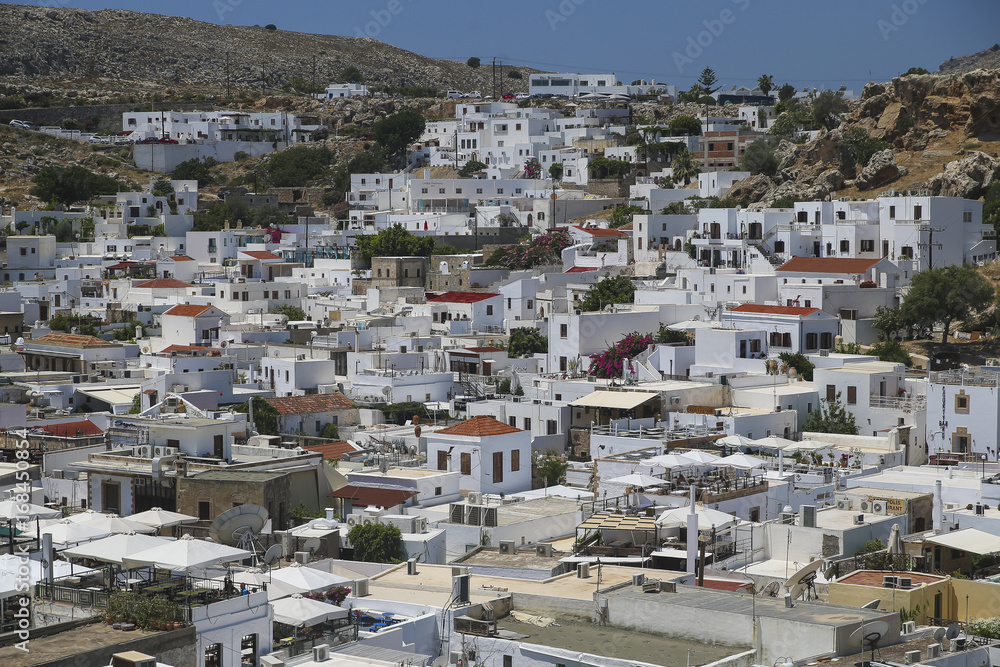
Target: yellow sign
893	505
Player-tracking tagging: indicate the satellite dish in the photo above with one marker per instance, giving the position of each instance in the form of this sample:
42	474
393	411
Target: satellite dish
239	526
271	556
868	636
312	545
874	605
953	631
145	350
806	576
939	634
386	390
797	591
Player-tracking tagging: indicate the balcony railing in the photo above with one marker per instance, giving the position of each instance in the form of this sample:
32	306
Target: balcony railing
904	403
967	378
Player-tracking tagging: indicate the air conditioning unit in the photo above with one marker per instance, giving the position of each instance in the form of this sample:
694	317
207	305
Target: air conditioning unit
71	474
865	506
933	651
912	657
878	507
361	587
675	400
543	550
638	579
889	581
844	505
583	570
367	520
859	519
173	401
475	498
980	510
302	557
508	547
321	653
143	451
353	520
420	525
905	582
57	474
808	513
411	566
909	627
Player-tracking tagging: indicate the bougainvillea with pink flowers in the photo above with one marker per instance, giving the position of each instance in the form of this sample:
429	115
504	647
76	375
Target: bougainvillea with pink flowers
544	249
609	364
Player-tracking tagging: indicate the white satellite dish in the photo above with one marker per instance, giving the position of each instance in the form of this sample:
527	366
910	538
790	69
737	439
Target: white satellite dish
239	526
271	556
868	636
807	577
312	545
797	591
874	605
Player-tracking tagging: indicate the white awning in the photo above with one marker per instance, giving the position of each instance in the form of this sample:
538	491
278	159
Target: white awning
606	560
970	539
621	400
673	553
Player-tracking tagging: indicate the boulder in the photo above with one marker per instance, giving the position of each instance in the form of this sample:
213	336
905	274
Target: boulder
969	177
880	170
751	189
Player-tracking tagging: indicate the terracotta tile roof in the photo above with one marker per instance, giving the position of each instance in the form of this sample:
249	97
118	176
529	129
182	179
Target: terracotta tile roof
363	496
188	310
332	450
484	349
774	310
602	233
69	340
297	405
73	429
479	427
164	283
259	254
581	269
725	585
874	578
121	265
849	265
181	258
463	297
209	351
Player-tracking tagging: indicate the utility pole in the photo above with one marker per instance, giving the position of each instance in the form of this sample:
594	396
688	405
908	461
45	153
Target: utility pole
314	74
494	77
501	78
229	92
262	91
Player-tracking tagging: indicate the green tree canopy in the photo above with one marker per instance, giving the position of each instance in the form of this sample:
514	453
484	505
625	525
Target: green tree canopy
396	132
760	157
685	126
470	168
827	109
831	417
800	363
551	468
892	350
915	70
610	290
68	185
940	296
991	206
622	215
888	322
351	74
213	217
163	188
860	146
666	336
556	171
526	340
786	92
685	167
267	215
195	169
376	542
765	83
265	415
473	62
393	242
293	313
708	80
296	166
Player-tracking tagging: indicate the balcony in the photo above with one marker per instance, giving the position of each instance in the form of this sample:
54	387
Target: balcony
903	403
857	222
966	378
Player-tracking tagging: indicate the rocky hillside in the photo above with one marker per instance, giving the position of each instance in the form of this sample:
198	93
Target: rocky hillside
985	59
179	52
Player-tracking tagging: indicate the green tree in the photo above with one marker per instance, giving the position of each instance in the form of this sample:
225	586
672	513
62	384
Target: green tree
827	109
330	432
893	351
446	249
556	171
800	363
684	126
393	242
860	146
265	415
68	185
473	62
831	417
685	167
526	340
708	80
514	74
270	27
666	336
163	188
396	132
195	169
293	313
915	70
760	157
786	92
351	74
294	167
991	206
610	290
470	168
214	216
622	214
136	404
551	468
267	215
376	543
888	322
765	83
944	295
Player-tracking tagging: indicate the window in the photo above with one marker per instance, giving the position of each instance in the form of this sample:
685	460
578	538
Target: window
831	393
530	304
442	460
845	245
779	246
867	245
527	423
489	310
466	462
551	427
826	340
508	661
918	212
497	467
852	395
966	216
563	330
563	365
24	251
755	345
512	421
213	655
960	442
811	340
515	460
962	402
205	510
892	212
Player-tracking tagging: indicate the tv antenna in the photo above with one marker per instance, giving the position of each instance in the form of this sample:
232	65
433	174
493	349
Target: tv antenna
868	636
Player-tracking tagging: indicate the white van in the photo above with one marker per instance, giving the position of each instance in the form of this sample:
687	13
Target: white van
455	94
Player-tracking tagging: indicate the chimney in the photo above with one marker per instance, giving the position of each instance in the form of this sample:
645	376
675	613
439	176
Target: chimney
330	513
938	507
692	536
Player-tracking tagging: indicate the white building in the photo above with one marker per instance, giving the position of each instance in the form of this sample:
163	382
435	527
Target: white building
491	456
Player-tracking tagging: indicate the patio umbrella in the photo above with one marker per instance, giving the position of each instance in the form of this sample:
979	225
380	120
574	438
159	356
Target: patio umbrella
734	441
671	461
743	461
116	524
700	456
707	517
161	518
636	480
807	446
84	516
184	554
115	548
306	578
67	532
772	442
299	611
11	568
259	579
10	509
895	541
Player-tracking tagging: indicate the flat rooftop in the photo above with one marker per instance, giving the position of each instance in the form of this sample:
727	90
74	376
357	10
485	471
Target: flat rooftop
874	578
835	519
68	644
529	510
525	559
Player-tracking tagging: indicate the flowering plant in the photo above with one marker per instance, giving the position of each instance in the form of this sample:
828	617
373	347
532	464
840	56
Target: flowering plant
610	363
542	249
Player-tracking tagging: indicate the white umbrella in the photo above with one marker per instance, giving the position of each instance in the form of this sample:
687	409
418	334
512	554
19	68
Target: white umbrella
895	544
10	509
116	548
772	442
738	461
84	517
306	578
734	441
259	579
299	611
691	325
707	517
161	518
116	524
637	480
67	532
700	456
671	461
11	569
185	554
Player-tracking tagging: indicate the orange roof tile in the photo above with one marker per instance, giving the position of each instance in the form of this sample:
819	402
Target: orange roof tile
165	282
332	450
70	340
774	310
188	310
73	429
259	254
482	426
581	269
209	351
606	233
296	405
850	265
463	297
181	258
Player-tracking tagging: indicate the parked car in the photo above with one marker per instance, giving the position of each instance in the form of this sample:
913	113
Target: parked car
99	139
23	124
475	94
455	94
508	96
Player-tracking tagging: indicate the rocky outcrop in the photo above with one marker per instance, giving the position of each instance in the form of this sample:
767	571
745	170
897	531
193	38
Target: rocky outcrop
969	177
880	170
985	59
751	189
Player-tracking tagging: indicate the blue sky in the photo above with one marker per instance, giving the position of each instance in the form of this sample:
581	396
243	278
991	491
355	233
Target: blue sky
803	42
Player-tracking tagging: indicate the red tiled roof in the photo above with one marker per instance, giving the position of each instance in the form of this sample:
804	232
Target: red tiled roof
725	584
874	578
774	310
122	265
210	351
363	496
69	340
332	450
165	282
259	254
463	297
848	265
605	233
181	258
484	349
73	429
581	269
187	310
296	405
482	426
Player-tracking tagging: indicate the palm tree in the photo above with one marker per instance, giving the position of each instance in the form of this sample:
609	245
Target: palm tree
685	167
765	83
